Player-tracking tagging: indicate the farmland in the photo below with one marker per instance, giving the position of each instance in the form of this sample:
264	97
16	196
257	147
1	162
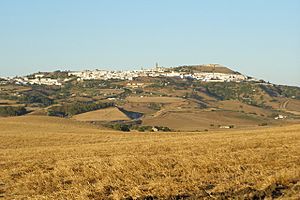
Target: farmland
107	114
196	120
148	102
154	99
55	158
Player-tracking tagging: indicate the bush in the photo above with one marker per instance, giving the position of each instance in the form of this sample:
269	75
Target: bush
230	90
145	128
77	108
163	128
127	127
36	98
263	124
155	106
56	113
272	90
121	127
6	111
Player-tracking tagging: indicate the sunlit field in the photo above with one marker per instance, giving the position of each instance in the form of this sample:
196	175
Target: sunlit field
53	158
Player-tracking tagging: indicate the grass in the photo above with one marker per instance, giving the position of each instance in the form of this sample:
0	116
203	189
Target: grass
293	106
106	114
235	105
192	120
52	158
154	99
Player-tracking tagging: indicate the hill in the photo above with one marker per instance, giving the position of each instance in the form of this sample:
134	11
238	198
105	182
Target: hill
209	68
187	120
179	98
55	158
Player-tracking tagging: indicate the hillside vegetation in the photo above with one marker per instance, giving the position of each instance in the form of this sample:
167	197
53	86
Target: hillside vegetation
55	158
179	104
205	68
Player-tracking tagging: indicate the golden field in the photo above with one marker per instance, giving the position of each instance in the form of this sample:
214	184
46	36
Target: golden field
107	114
154	99
188	120
53	158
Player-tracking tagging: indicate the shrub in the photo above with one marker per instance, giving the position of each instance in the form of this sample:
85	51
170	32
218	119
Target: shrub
155	106
121	127
263	124
144	128
56	113
6	111
77	108
36	98
163	128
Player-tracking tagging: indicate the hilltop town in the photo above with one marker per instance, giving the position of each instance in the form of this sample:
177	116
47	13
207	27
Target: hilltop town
74	128
212	74
198	97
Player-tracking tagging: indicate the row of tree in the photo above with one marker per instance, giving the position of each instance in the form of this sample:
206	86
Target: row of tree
6	111
77	108
128	127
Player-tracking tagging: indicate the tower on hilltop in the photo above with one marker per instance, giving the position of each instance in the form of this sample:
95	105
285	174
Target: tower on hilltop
214	69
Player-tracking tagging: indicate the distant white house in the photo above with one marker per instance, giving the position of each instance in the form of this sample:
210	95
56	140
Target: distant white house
39	75
44	81
280	117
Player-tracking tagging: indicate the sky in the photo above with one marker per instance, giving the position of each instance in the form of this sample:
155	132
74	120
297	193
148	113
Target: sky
260	38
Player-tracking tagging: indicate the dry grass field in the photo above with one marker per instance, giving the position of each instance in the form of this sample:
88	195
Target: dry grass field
293	106
53	158
235	105
154	99
7	102
139	107
191	120
107	114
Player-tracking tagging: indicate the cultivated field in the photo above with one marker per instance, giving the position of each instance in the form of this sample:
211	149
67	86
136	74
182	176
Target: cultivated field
53	158
235	105
107	114
154	99
293	106
191	120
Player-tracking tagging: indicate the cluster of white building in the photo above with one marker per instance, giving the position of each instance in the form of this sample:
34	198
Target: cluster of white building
156	72
3	80
280	117
103	75
219	77
44	81
40	79
122	75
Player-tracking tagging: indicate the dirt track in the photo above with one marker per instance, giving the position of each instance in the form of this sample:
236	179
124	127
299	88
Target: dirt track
284	104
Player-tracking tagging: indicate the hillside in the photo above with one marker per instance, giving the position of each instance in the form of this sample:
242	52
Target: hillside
179	98
209	68
195	120
55	158
107	114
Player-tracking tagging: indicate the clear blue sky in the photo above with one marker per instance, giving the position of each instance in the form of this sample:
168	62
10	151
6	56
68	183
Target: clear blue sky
258	37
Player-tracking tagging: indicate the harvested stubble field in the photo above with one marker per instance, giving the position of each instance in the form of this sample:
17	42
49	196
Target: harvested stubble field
51	158
154	99
107	114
